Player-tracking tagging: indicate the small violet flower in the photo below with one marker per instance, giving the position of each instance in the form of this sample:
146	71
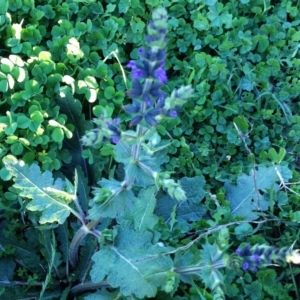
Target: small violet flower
149	75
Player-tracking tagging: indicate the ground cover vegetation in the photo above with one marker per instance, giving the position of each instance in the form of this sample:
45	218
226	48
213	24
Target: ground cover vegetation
149	149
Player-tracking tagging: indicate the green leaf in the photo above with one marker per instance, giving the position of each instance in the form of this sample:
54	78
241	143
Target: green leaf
3	85
243	230
126	265
73	109
57	135
23	122
82	188
123	6
6	65
109	92
115	206
24	252
63	239
32	88
32	184
105	295
7	267
241	123
219	16
189	210
276	157
134	171
144	207
17	148
244	199
253	290
210	2
295	216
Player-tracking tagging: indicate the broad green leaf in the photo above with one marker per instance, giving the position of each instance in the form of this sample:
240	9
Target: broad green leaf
103	206
127	265
189	210
245	200
134	171
144	207
32	184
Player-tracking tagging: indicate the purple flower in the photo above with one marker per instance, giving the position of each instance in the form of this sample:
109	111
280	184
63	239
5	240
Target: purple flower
131	64
161	75
238	251
245	266
115	139
256	258
138	73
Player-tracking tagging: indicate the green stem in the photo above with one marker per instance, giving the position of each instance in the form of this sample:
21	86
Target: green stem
74	245
295	284
195	269
83	231
85	287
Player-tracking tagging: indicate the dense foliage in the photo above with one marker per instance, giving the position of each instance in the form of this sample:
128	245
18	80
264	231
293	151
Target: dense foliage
149	149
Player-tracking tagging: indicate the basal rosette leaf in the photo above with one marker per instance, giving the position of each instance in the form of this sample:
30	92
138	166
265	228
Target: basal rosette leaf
133	264
33	184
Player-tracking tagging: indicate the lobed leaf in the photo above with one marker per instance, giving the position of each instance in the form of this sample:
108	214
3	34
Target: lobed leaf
32	184
245	200
128	265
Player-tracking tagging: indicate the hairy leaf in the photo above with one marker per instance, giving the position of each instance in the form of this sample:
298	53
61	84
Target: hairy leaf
129	265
